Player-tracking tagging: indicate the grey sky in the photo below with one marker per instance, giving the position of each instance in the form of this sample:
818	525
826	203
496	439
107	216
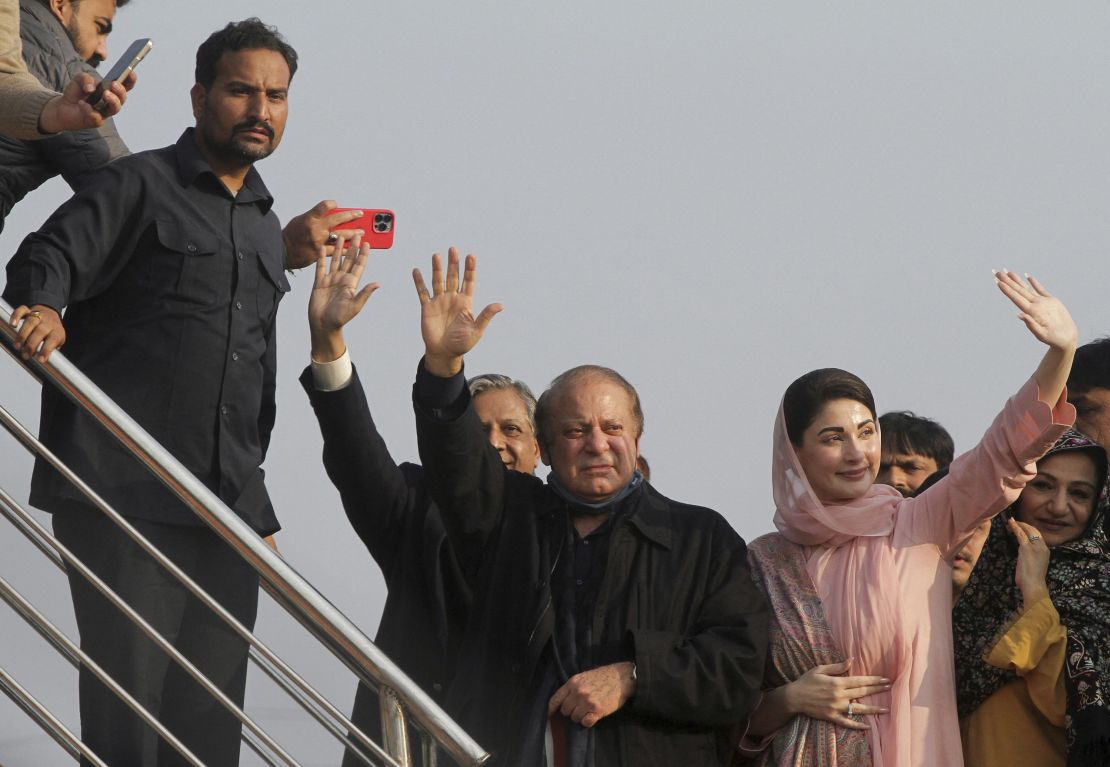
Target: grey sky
712	198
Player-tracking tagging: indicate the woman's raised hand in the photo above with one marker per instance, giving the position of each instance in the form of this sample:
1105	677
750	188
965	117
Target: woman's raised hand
1043	313
1031	572
1048	319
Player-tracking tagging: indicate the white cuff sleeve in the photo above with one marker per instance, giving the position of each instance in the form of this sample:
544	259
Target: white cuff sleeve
334	375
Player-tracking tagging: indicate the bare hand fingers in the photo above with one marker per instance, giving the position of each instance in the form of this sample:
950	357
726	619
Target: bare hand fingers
421	288
557	699
1012	292
849	682
862	691
320	209
364	295
452	270
860	709
1037	286
833	669
1014	280
437	275
53	340
487	314
851	724
469	274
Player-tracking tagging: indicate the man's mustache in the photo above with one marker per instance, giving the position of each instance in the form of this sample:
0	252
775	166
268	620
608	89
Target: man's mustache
246	126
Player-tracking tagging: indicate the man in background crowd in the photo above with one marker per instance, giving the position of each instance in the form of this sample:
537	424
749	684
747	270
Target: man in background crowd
912	449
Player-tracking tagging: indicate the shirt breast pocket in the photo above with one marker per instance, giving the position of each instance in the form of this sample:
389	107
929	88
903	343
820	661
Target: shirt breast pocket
185	267
271	286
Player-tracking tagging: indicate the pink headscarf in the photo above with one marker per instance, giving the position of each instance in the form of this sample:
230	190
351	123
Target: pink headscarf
849	559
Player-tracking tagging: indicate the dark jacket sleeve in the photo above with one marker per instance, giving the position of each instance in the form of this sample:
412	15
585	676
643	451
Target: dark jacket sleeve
71	257
463	472
711	674
377	495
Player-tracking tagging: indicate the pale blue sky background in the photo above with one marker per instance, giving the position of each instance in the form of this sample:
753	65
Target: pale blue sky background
712	198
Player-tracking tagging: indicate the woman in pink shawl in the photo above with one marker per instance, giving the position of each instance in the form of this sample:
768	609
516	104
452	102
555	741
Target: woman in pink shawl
859	577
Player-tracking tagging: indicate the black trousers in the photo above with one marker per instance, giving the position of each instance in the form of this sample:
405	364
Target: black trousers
108	726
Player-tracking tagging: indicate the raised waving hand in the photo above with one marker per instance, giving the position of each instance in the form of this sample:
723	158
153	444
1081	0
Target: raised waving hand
1049	321
336	298
447	321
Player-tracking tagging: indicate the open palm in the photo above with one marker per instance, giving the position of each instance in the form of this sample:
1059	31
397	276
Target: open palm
1045	315
336	298
447	321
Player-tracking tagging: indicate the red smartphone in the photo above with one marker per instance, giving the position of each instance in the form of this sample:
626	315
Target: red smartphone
376	225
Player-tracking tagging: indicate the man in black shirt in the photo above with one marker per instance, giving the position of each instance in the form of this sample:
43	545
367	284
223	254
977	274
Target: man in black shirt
170	263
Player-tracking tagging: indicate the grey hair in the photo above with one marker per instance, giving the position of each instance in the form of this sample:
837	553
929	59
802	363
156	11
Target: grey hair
564	380
497	382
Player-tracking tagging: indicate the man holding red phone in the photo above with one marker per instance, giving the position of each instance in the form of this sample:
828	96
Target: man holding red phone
171	266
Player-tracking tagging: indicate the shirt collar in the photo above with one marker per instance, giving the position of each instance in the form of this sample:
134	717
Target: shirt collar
191	165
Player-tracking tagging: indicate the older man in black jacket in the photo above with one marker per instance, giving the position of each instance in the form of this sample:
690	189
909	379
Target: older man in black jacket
610	625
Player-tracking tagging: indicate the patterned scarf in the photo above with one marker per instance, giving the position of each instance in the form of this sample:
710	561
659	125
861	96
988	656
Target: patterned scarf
1079	585
800	639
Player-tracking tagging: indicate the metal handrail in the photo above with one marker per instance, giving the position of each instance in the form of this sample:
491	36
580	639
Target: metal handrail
330	626
274	667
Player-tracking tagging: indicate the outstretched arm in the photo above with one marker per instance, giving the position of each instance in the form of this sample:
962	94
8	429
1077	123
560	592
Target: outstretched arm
1048	319
447	320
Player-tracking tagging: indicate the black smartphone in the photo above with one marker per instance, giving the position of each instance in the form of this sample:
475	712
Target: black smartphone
135	53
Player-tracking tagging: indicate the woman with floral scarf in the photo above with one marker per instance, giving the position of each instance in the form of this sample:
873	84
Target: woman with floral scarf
1032	634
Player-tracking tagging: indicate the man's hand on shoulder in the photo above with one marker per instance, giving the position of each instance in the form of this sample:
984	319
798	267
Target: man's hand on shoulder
589	697
447	320
38	326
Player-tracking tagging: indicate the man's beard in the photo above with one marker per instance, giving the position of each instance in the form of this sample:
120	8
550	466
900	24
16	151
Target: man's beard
236	149
73	31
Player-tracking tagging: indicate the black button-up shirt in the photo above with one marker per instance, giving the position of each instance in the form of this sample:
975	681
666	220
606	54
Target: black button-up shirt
172	286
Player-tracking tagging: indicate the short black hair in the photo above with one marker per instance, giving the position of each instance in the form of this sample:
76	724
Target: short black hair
906	432
807	395
246	35
1091	367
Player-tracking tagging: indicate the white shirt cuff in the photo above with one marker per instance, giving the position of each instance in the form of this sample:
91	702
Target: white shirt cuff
334	375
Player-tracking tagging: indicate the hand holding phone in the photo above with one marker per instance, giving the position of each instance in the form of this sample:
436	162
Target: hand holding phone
135	53
376	224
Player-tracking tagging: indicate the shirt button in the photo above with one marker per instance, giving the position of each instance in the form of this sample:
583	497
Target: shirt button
586	541
578	582
191	248
239	255
223	409
235	356
238	304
